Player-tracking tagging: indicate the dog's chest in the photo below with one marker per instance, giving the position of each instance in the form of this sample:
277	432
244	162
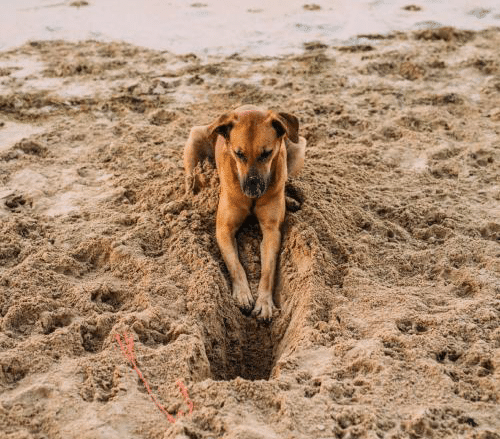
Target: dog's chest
252	206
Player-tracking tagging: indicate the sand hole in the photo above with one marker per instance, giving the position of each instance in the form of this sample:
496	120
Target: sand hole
249	353
247	348
238	345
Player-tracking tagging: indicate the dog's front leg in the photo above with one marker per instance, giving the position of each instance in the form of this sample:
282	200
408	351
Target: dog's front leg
229	220
269	249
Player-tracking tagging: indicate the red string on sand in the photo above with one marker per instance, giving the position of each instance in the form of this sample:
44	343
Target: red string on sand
127	348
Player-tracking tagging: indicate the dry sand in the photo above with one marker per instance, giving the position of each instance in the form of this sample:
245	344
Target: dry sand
389	273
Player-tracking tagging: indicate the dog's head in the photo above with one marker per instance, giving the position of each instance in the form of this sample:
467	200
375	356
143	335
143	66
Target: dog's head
253	138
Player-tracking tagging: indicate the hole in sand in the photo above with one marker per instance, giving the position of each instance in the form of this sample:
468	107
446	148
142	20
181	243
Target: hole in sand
249	352
240	346
246	349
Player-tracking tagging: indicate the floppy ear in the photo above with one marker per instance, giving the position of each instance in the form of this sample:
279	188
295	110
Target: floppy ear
285	123
222	125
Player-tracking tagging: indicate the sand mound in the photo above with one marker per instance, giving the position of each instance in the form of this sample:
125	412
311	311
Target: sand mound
389	273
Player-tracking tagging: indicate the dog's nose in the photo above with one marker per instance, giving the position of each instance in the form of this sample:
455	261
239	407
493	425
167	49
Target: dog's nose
253	187
253	184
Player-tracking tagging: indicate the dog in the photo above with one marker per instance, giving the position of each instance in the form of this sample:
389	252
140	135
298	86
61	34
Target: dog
255	151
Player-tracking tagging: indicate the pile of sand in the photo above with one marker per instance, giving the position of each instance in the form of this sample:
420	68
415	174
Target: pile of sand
389	273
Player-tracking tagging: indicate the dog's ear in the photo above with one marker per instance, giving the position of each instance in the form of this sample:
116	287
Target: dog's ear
285	123
222	125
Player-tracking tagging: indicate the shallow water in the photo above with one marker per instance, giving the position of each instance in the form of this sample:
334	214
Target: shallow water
255	27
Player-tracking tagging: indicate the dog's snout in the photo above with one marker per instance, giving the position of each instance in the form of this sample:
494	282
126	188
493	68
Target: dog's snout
254	186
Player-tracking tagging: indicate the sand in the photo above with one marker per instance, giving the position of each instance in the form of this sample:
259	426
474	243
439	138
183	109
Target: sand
389	272
221	27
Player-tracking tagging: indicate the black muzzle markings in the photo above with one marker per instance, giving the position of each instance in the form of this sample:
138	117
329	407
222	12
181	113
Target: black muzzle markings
254	185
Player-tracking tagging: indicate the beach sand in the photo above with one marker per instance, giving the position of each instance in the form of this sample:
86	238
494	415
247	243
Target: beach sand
389	272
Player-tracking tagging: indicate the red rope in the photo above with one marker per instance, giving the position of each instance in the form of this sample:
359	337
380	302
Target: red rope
127	348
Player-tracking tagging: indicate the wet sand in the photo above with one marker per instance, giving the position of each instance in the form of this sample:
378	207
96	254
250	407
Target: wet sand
219	27
389	273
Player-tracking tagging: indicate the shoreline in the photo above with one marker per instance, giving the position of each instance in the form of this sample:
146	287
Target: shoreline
215	27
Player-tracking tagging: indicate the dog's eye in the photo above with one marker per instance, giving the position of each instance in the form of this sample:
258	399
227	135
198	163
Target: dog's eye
265	154
240	155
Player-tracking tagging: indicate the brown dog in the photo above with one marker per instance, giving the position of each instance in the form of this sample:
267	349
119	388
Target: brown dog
255	151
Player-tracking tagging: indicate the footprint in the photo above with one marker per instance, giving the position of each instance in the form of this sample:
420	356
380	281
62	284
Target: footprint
107	298
54	320
409	326
94	332
491	231
448	354
155	337
31	147
16	202
13	369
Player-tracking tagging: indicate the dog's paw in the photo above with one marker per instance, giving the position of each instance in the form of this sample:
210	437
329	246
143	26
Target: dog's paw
243	297
264	308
